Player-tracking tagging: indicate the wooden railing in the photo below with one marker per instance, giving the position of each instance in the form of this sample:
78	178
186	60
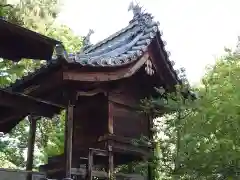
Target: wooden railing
87	170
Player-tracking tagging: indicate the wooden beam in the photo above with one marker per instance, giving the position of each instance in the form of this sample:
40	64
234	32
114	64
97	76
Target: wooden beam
94	76
31	142
99	152
12	115
90	164
137	65
68	140
90	92
106	76
125	105
36	85
27	104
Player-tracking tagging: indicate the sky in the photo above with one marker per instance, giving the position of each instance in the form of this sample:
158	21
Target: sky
196	31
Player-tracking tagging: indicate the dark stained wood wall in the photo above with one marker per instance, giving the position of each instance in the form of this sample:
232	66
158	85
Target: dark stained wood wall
127	120
116	111
129	123
90	120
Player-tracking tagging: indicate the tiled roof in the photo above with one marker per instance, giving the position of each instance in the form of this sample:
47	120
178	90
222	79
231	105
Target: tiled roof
123	47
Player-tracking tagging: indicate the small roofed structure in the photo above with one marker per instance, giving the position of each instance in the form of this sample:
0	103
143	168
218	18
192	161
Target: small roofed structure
18	42
101	87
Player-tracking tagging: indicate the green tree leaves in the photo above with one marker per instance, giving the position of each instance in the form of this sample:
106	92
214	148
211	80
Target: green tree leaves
199	139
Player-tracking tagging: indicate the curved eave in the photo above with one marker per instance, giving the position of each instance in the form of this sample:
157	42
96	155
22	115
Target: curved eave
116	73
165	58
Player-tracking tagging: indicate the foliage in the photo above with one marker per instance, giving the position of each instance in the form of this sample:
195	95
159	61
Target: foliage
4	8
168	128
71	42
199	139
51	136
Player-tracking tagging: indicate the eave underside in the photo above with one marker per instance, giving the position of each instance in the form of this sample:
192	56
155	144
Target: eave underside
14	107
18	42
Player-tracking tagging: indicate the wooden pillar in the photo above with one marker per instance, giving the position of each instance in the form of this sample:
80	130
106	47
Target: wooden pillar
150	136
31	142
150	173
110	117
130	168
68	140
90	164
110	163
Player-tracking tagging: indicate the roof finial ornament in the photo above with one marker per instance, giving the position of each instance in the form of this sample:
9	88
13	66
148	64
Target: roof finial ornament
86	40
139	15
61	51
137	10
